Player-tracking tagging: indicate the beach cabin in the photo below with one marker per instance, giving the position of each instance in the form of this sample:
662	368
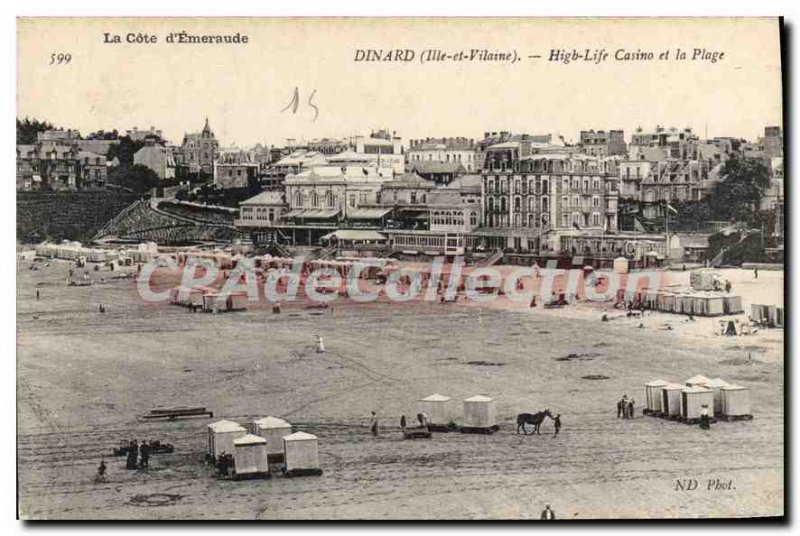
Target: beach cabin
687	304
733	305
692	401
621	265
221	435
436	407
250	456
668	302
479	413
652	392
213	302
696	381
716	386
273	430
671	400
759	313
301	454
715	304
735	402
237	301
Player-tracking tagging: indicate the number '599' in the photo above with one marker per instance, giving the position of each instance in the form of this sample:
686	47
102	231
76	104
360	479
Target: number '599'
60	59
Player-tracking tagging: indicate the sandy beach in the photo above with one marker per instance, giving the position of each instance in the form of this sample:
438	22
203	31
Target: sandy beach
84	378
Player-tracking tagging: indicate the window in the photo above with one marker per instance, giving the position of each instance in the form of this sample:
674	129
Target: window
352	200
565	220
565	202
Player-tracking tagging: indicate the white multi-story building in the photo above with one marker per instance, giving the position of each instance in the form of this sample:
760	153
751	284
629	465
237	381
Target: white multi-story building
445	150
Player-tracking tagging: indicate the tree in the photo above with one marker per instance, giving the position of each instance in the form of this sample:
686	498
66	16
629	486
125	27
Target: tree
124	150
738	195
103	135
138	178
28	129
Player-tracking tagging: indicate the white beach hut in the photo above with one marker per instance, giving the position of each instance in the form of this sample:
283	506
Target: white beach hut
273	430
479	412
716	385
221	435
652	392
437	408
671	399
696	380
250	456
733	305
735	401
621	265
693	399
301	454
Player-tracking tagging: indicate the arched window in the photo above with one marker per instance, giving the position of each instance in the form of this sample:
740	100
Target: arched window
545	204
298	199
314	199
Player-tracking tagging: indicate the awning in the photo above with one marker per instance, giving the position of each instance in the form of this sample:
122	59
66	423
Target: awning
367	213
343	234
313	214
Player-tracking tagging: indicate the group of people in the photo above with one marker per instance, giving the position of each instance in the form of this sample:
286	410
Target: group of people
625	407
138	456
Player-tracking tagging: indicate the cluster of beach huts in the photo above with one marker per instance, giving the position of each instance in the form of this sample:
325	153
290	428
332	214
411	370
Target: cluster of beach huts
687	302
271	441
685	401
75	251
478	414
768	315
208	299
706	296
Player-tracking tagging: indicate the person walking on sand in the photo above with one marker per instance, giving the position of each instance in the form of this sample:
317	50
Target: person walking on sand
133	451
101	471
373	425
755	273
547	513
144	456
621	406
557	424
630	408
704	421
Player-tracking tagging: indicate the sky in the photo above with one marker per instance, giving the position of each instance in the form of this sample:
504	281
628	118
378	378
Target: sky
244	89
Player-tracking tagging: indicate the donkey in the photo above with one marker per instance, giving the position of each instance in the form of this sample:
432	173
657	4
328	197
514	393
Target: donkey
535	419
